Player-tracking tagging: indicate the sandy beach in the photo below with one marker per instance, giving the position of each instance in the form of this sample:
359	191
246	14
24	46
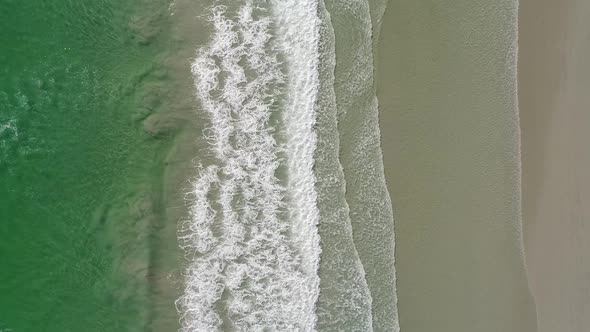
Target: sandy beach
555	119
450	135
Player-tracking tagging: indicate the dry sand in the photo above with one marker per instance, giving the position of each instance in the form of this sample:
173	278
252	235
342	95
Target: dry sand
449	122
554	97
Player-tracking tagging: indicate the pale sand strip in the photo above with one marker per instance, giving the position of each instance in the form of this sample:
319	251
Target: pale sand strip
449	122
554	97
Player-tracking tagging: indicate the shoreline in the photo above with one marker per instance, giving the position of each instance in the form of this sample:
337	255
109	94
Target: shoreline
553	80
360	155
450	145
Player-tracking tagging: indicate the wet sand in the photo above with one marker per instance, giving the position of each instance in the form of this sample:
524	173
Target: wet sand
450	135
554	80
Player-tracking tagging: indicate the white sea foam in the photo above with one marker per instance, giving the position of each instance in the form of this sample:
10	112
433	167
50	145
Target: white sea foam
8	137
252	241
9	128
371	212
298	31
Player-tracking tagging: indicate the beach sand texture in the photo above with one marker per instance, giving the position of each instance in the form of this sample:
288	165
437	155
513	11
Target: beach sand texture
450	133
554	80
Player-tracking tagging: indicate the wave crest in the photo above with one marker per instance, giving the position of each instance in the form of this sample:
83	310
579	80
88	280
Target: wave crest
251	239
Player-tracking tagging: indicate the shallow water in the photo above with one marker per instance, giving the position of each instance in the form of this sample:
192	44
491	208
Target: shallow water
370	213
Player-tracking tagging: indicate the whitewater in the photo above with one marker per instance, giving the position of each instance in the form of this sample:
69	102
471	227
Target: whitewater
271	181
252	238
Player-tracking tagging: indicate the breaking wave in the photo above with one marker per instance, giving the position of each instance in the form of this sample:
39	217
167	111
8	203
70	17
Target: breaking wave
252	240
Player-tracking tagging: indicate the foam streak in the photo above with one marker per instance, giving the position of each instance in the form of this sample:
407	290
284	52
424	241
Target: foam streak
251	241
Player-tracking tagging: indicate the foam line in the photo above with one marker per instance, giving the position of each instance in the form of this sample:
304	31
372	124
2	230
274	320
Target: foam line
252	241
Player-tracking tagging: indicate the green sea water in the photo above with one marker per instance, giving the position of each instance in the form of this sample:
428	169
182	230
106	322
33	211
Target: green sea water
80	176
97	139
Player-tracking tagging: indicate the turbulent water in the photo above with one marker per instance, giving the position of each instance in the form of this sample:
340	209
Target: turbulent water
275	183
264	266
244	132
